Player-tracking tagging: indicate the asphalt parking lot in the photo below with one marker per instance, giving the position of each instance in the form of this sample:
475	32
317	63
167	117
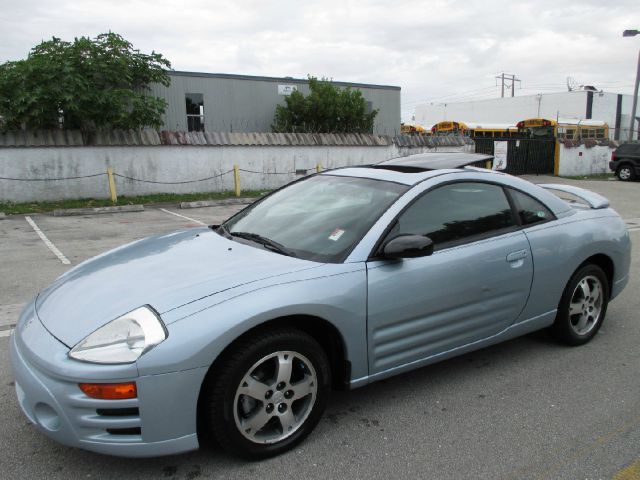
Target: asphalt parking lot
528	408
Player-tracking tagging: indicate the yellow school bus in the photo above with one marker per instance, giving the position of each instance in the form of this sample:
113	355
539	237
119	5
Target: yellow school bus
492	130
569	128
446	128
409	128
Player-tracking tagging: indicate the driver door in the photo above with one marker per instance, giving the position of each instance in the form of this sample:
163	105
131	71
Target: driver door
473	286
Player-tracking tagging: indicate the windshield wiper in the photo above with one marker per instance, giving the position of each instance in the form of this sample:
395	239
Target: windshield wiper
220	230
264	241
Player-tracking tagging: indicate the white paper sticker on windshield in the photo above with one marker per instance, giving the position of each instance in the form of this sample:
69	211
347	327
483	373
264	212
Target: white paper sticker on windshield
336	234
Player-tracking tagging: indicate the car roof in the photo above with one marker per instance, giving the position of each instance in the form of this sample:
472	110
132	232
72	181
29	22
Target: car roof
434	161
414	169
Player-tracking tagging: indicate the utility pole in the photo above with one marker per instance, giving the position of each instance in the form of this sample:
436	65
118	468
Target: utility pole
633	33
509	77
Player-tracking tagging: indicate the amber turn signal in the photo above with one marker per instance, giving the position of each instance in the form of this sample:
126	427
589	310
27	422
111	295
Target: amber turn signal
109	391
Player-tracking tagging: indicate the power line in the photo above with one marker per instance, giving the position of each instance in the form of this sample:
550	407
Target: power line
505	77
432	99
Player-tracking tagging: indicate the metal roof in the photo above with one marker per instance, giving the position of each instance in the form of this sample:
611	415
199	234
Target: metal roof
150	137
259	78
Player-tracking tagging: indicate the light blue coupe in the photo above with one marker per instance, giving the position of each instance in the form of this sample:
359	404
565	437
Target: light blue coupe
238	332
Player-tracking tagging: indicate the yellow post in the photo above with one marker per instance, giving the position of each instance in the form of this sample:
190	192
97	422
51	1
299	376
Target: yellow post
556	159
318	168
112	186
236	178
487	164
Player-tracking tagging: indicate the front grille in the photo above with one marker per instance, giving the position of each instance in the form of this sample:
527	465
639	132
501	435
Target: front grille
118	412
124	431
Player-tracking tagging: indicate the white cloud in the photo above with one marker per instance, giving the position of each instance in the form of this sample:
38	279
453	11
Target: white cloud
432	49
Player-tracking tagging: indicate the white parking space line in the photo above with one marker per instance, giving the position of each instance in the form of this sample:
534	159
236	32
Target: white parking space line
183	216
5	333
47	242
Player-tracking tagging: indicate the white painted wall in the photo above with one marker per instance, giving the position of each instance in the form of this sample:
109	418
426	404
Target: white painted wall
581	160
276	164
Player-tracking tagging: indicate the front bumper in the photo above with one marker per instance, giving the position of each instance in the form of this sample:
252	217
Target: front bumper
161	421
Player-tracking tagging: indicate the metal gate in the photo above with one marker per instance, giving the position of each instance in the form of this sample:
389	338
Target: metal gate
524	155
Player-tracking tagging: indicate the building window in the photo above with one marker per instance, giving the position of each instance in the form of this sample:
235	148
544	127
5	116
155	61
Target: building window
195	112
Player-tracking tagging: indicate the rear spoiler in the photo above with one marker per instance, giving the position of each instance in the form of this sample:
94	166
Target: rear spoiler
593	199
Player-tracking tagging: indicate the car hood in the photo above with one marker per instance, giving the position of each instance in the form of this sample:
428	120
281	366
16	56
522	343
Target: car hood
165	272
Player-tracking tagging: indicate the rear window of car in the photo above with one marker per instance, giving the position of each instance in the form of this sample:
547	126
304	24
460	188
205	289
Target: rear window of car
628	148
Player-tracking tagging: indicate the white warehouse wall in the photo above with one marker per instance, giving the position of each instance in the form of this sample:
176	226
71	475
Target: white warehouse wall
510	110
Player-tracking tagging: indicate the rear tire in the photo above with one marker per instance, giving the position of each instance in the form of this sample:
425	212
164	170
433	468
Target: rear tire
268	394
583	306
626	173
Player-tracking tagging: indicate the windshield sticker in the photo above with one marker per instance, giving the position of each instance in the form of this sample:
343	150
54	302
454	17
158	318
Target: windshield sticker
336	234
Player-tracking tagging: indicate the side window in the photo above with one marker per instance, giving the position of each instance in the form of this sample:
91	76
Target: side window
455	212
529	209
195	112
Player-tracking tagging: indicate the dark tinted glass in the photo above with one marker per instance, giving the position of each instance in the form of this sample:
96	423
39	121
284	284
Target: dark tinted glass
193	102
456	212
628	148
530	210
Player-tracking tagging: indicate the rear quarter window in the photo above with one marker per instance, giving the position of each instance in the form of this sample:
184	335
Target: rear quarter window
530	210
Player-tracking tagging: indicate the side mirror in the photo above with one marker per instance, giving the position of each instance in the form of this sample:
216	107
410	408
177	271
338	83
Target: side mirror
408	246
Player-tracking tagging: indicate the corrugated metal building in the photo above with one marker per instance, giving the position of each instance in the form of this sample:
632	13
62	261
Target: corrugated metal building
219	102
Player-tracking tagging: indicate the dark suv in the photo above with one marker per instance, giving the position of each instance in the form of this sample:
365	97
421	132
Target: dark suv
625	161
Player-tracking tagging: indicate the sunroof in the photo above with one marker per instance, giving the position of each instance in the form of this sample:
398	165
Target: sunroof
401	168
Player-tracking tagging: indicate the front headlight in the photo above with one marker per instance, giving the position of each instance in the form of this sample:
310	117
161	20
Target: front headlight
122	340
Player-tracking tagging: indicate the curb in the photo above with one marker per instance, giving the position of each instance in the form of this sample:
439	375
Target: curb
66	212
218	203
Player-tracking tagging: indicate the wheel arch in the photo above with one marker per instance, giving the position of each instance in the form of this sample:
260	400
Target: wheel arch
320	329
605	263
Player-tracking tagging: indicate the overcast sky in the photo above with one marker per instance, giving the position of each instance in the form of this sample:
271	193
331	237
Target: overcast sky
435	50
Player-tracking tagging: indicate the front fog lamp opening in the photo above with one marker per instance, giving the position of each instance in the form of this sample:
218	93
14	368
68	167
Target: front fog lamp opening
122	340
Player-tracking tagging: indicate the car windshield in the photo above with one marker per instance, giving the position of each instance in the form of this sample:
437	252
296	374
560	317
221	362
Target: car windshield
320	218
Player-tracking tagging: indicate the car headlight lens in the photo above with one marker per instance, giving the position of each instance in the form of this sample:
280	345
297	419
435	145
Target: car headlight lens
122	340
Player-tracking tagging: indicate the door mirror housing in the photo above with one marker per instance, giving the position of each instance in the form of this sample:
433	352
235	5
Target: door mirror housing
408	246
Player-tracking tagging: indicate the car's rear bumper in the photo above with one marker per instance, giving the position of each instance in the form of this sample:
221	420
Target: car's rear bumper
161	421
614	164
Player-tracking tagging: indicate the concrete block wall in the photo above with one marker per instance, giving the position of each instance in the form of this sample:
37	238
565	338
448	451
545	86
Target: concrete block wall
582	160
59	173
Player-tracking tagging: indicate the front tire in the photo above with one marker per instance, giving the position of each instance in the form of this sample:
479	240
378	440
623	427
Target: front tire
583	306
626	173
268	394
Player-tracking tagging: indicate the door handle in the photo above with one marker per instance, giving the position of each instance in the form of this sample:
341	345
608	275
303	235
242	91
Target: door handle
515	256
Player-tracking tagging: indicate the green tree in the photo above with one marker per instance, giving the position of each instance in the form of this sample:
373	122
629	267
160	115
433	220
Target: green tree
86	84
327	109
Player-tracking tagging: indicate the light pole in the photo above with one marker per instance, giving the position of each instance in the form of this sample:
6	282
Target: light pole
633	33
